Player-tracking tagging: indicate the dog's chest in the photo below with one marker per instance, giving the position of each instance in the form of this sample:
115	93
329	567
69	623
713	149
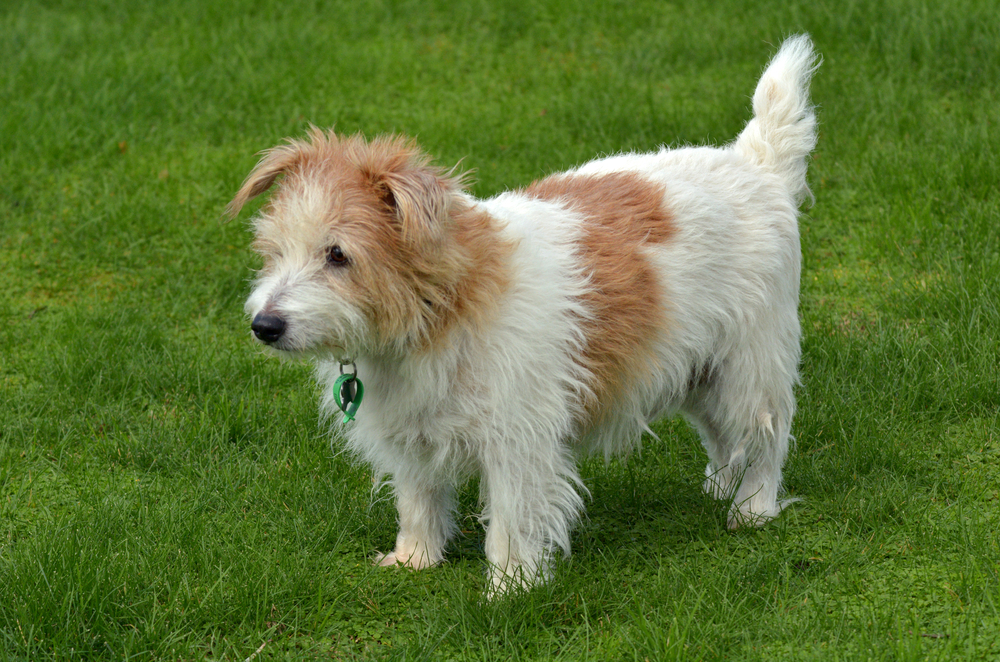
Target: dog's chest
434	413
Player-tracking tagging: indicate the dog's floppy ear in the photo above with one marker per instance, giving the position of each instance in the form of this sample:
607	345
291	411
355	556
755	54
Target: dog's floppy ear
420	199
275	161
418	194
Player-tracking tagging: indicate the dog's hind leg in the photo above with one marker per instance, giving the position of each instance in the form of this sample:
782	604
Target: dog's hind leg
744	416
720	482
426	521
755	465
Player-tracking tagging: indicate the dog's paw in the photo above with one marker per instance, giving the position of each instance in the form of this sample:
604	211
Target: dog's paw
503	584
412	560
756	515
741	519
516	578
384	560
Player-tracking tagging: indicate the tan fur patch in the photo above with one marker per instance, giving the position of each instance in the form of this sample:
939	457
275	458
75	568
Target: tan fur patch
447	263
623	212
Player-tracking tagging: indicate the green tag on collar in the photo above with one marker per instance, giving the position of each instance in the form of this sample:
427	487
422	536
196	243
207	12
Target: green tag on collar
348	392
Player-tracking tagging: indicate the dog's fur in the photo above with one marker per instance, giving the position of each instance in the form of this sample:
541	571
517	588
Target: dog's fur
509	336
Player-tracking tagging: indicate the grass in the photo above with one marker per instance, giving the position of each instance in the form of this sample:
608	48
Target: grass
166	492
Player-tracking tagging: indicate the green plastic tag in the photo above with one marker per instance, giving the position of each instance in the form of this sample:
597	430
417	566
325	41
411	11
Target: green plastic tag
348	392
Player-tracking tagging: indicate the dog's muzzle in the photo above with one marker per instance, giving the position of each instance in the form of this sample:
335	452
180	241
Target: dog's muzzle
268	328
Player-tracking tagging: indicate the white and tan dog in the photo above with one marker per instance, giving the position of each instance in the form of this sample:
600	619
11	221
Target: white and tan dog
512	335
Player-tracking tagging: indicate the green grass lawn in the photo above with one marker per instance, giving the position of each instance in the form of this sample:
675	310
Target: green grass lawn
167	492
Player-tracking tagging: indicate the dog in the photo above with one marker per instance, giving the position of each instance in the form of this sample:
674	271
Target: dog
509	337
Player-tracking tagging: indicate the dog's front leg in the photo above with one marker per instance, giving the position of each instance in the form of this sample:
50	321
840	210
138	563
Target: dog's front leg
426	522
531	505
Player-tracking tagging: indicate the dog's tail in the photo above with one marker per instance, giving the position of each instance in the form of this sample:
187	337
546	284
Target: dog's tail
783	129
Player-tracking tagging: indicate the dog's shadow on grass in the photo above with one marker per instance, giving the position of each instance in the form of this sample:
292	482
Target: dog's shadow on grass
636	508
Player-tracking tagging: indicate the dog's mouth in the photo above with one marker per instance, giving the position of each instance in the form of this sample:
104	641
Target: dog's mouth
285	350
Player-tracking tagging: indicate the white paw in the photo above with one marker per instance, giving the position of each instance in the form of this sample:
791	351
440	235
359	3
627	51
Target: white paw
516	577
741	519
508	583
411	560
750	514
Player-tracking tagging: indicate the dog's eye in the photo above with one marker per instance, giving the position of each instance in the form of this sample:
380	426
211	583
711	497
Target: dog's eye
336	257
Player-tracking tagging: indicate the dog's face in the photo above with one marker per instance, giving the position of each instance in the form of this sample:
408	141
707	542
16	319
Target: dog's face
358	246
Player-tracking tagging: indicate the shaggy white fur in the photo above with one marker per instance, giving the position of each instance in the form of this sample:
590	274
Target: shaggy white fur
509	336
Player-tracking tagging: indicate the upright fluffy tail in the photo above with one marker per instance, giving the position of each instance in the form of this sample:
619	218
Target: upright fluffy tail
783	129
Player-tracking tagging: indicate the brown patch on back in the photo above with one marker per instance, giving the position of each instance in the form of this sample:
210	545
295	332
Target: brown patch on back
623	212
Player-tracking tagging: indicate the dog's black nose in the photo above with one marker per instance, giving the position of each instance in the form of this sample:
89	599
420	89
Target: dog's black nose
268	328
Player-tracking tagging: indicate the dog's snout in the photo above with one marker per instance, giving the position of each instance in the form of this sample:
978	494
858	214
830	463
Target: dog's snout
268	328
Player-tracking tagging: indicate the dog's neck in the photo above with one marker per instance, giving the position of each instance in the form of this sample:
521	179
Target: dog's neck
467	298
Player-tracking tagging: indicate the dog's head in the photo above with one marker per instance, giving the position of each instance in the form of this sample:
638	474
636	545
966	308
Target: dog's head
365	245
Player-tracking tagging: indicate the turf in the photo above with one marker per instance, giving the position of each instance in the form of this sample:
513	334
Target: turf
167	492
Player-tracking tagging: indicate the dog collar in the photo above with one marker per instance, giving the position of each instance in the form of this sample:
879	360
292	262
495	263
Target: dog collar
348	390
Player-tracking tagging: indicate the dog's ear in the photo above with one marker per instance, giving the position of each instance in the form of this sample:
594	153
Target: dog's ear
420	199
418	194
275	161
